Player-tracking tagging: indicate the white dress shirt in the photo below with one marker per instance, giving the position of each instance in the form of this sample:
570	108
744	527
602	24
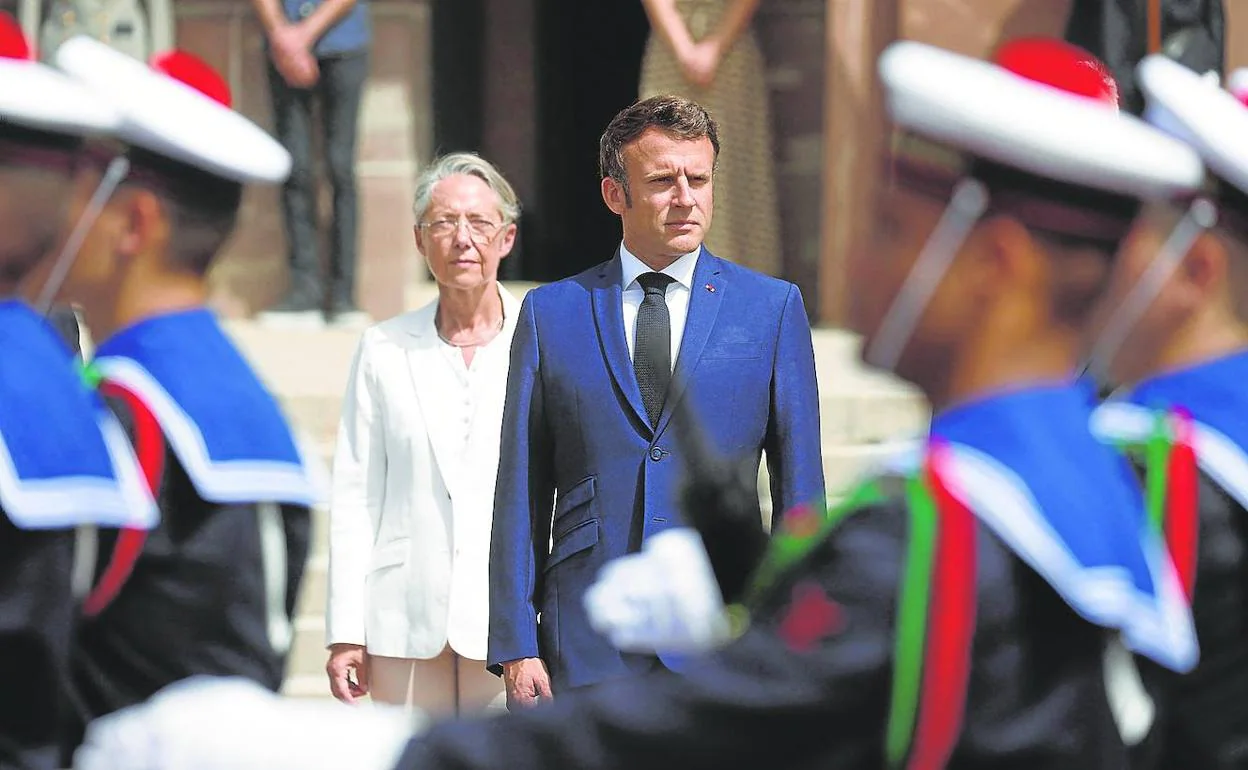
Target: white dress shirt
678	292
478	382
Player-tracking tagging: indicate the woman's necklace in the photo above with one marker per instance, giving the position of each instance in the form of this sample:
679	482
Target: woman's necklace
475	343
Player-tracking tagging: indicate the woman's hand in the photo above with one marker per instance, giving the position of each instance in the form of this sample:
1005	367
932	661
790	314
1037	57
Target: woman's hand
700	61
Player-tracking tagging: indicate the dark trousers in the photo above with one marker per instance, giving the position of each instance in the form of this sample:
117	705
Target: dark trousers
340	89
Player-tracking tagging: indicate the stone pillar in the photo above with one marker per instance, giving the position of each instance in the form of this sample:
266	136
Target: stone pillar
510	109
792	37
395	139
857	31
1236	35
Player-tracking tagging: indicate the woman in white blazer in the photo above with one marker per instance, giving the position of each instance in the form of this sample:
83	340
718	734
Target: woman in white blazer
416	460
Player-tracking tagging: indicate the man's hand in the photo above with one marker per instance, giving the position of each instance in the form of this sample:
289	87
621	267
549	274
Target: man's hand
291	48
344	661
526	680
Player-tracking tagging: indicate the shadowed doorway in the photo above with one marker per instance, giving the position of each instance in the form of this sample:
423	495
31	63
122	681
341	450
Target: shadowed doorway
531	84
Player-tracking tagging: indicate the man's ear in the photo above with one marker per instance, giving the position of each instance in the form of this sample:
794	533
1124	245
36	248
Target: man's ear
1005	255
145	224
613	195
1202	275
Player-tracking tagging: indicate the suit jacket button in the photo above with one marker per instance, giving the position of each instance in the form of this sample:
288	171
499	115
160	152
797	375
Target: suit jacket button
656	454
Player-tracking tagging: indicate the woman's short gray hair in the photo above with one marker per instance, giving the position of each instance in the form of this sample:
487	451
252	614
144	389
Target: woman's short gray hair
471	164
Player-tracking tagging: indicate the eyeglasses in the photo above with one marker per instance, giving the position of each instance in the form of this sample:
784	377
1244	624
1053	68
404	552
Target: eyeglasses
480	230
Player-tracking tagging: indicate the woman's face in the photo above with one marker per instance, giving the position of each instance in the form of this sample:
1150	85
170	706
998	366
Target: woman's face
463	235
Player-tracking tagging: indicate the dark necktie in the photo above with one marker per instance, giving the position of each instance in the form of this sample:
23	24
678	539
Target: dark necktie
652	351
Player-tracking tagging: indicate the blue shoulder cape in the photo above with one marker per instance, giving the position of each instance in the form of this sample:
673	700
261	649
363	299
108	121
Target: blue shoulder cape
65	461
1213	394
1027	465
223	424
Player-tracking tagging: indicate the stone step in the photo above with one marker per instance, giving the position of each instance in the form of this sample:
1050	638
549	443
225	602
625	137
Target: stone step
309	685
843	466
862	415
307	650
314	590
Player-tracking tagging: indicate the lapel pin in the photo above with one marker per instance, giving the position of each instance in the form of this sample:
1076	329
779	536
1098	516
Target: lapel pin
710	288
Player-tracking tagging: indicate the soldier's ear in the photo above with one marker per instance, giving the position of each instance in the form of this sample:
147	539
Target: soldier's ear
145	224
1202	275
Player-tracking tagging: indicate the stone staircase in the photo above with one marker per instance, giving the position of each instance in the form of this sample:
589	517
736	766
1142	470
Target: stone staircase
860	411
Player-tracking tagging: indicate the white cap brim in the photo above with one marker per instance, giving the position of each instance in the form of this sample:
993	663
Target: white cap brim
1198	112
991	113
1237	83
35	96
173	120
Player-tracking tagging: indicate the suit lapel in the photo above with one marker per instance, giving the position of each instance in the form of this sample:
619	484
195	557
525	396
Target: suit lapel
434	383
609	318
704	306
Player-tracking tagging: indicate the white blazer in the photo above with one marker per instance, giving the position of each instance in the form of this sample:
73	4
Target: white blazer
409	523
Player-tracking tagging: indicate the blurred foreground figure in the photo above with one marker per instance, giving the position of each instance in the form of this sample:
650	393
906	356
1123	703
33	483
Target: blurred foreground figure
961	609
1174	338
212	589
64	460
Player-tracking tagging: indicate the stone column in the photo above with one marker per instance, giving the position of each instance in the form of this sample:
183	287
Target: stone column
857	31
792	36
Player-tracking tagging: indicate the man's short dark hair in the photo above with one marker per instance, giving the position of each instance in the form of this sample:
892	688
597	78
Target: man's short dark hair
202	208
675	115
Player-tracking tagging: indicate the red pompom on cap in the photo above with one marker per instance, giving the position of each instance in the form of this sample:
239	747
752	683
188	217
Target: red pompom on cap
1060	65
193	71
13	43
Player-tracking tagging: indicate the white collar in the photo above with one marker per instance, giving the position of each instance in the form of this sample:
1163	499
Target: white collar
681	271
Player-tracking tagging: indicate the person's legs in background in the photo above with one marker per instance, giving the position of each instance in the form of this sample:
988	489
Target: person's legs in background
292	116
442	687
479	691
341	90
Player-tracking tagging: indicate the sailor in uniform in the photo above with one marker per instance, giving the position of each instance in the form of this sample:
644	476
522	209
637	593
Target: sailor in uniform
960	609
1174	339
65	464
212	590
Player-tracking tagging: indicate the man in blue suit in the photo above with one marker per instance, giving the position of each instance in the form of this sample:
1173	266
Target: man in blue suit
590	455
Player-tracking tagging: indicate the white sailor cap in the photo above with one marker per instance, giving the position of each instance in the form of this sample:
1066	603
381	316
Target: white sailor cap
1237	84
37	98
1213	121
178	108
1040	126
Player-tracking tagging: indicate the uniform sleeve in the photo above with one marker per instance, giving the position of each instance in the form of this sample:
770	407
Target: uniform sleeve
805	686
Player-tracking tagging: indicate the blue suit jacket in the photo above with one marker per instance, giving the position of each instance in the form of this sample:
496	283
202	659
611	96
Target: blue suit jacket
576	443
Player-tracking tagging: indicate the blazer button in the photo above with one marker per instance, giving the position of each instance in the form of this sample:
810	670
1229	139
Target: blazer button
656	454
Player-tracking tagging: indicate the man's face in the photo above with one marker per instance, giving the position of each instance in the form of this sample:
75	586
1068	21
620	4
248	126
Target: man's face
1165	314
462	233
668	210
902	222
33	213
94	266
